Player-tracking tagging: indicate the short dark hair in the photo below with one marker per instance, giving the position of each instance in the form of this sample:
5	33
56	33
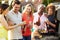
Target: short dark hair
16	2
4	6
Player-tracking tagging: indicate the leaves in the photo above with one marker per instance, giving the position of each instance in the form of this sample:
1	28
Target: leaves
46	2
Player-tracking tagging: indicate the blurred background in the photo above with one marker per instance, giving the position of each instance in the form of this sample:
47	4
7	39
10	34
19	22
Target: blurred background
35	3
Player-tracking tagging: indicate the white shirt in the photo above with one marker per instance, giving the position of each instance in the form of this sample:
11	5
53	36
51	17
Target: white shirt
43	19
36	16
15	33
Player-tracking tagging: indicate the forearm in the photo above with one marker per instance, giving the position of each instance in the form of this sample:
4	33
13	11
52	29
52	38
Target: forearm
12	27
49	23
52	24
22	23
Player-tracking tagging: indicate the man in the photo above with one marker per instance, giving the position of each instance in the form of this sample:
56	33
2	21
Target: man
14	17
39	17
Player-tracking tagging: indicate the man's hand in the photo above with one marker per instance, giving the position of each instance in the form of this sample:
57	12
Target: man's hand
22	24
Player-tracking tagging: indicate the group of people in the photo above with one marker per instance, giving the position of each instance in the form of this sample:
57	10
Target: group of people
24	26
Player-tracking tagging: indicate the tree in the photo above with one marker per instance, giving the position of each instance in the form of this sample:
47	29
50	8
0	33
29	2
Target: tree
46	2
0	1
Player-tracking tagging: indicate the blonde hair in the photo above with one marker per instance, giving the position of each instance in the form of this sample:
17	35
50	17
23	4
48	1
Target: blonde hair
28	6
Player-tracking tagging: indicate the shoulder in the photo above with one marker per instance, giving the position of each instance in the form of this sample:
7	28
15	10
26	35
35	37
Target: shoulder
45	14
19	13
9	13
23	14
34	13
1	16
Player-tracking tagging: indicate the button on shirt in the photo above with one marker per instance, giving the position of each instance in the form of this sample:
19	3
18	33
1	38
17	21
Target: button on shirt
16	19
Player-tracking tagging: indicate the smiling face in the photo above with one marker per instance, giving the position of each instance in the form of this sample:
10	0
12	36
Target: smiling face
41	10
29	9
50	11
16	7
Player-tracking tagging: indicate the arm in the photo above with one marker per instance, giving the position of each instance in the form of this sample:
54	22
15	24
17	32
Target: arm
5	24
49	23
10	23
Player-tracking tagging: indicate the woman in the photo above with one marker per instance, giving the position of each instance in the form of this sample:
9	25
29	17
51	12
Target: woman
27	16
51	18
3	31
4	27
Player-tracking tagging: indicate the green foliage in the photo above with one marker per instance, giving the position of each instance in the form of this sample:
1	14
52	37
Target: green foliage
46	2
10	7
0	2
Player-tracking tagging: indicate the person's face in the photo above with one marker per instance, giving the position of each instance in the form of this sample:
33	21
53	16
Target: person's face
29	9
50	11
41	10
0	10
16	7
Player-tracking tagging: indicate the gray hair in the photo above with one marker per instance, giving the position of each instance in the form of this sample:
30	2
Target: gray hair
41	5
